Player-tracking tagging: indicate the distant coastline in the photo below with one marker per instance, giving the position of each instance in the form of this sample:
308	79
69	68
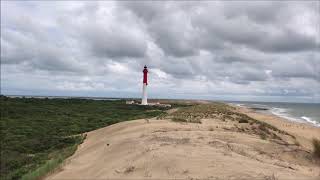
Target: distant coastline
63	97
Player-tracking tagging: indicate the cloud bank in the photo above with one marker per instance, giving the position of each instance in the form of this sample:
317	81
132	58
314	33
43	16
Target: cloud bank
267	51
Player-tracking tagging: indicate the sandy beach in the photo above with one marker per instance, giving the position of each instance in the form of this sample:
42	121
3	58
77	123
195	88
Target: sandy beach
212	149
304	132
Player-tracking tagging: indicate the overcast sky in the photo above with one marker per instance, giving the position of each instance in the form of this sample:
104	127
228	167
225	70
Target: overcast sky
255	50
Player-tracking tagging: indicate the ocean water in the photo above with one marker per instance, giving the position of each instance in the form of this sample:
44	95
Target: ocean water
299	112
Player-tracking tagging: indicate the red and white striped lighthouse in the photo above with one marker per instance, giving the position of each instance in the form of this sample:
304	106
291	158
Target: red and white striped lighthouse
144	88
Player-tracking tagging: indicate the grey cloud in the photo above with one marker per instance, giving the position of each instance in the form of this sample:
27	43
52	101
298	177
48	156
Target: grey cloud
297	68
183	32
120	36
179	68
174	33
54	59
16	47
241	31
115	44
243	73
214	47
20	48
288	41
287	92
146	10
168	39
258	11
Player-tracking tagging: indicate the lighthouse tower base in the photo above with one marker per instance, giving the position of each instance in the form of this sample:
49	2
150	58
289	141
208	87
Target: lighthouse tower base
144	95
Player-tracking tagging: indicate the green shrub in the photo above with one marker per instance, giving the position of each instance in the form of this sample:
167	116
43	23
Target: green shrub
263	127
33	129
196	120
263	136
243	121
54	162
178	119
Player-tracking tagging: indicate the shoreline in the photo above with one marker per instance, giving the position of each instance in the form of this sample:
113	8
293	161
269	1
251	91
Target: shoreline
303	131
269	111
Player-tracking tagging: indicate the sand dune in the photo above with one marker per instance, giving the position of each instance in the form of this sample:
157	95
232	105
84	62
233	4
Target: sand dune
162	149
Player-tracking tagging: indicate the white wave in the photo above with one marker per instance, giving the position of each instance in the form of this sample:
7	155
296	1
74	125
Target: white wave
282	112
308	119
260	105
236	104
279	110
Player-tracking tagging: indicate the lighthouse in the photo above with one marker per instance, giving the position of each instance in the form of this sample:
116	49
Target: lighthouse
144	88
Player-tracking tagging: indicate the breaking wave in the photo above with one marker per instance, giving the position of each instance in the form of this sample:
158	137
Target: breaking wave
284	113
308	119
292	112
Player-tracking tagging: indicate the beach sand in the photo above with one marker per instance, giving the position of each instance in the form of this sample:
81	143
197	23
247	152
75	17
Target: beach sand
302	131
214	149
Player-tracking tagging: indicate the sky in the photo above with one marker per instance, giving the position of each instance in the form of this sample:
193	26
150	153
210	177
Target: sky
217	50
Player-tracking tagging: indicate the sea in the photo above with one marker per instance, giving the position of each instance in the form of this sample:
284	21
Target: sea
298	112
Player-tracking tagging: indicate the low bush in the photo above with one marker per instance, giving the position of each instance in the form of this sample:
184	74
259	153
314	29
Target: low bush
263	136
178	119
51	164
33	130
316	147
195	121
243	121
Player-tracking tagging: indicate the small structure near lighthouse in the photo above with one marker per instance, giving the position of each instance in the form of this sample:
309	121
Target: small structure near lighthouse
144	87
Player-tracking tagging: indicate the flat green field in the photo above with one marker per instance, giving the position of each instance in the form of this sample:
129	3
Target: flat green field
37	134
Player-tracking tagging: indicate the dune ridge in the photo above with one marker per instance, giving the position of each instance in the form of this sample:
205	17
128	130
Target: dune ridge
216	146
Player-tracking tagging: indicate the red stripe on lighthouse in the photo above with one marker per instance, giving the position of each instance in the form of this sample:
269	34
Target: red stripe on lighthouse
145	75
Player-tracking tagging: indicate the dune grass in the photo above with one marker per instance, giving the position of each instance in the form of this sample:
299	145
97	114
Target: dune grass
54	162
224	112
178	119
316	147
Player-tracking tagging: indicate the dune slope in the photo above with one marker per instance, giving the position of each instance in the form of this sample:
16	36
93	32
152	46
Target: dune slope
163	149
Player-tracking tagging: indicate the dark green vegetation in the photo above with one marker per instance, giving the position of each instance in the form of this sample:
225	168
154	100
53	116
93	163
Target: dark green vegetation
243	121
177	119
316	147
37	134
56	159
